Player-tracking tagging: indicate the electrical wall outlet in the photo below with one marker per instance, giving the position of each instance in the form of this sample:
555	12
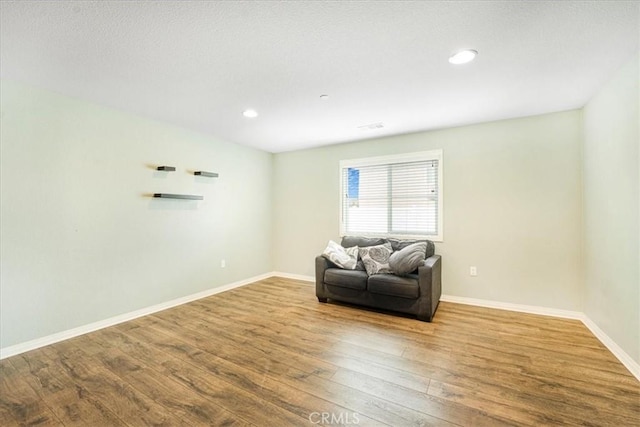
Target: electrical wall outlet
223	263
473	270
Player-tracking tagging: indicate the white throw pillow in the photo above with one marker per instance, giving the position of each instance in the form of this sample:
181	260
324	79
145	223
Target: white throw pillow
346	258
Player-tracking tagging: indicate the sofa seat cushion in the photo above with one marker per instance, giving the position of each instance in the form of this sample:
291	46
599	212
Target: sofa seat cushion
354	279
389	284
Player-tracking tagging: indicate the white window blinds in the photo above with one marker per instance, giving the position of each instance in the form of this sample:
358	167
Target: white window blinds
393	196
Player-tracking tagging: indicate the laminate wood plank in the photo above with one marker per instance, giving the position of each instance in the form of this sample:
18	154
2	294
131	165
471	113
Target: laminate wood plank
244	338
382	410
119	396
468	316
228	394
357	402
270	354
20	401
360	336
233	398
596	357
348	354
360	333
544	394
6	419
341	355
181	401
357	313
528	409
307	292
535	347
360	403
277	358
321	348
498	350
492	329
479	355
498	381
72	404
503	410
43	376
567	373
256	378
421	402
539	385
273	352
6	401
76	407
346	314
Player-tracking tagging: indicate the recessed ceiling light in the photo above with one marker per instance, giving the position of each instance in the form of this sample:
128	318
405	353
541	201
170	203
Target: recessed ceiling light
250	113
324	97
463	56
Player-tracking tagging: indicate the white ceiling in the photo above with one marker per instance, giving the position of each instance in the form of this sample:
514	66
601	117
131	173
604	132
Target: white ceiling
199	64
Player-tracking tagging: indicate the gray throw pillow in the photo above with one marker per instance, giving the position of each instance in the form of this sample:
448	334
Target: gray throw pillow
399	244
376	258
406	260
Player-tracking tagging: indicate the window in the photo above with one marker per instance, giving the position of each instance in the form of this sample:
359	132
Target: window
392	196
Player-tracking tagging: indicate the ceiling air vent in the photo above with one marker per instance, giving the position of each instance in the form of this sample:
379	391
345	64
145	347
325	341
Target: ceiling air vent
371	126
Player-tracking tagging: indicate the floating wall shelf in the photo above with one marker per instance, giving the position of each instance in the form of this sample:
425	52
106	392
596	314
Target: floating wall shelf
209	174
177	196
166	168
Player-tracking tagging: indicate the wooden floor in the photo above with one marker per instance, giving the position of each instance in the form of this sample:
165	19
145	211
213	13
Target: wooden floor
269	354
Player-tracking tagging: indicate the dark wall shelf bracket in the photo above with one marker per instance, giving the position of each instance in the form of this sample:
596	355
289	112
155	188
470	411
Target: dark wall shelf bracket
177	196
209	174
166	168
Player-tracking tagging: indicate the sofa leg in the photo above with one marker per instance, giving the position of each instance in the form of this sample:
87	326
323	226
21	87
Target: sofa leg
424	317
322	299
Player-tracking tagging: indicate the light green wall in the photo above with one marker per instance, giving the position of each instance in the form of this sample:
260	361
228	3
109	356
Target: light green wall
512	206
80	240
611	208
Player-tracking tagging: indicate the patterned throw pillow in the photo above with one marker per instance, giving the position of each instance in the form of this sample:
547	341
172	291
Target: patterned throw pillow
376	258
343	258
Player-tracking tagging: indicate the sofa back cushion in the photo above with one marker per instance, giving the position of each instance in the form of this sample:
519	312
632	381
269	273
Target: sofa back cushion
349	241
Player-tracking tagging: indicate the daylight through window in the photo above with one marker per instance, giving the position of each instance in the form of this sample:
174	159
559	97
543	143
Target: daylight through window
393	195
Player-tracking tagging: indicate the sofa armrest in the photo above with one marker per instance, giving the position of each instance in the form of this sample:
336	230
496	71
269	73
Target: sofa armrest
321	266
430	283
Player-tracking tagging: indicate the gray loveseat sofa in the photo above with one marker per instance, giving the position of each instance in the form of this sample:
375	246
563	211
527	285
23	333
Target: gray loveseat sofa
417	293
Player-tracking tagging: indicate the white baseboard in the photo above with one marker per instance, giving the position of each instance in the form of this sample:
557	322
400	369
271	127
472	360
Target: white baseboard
294	276
623	357
522	308
615	349
91	327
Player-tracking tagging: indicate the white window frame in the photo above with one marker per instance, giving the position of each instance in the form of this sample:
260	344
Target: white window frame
397	158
